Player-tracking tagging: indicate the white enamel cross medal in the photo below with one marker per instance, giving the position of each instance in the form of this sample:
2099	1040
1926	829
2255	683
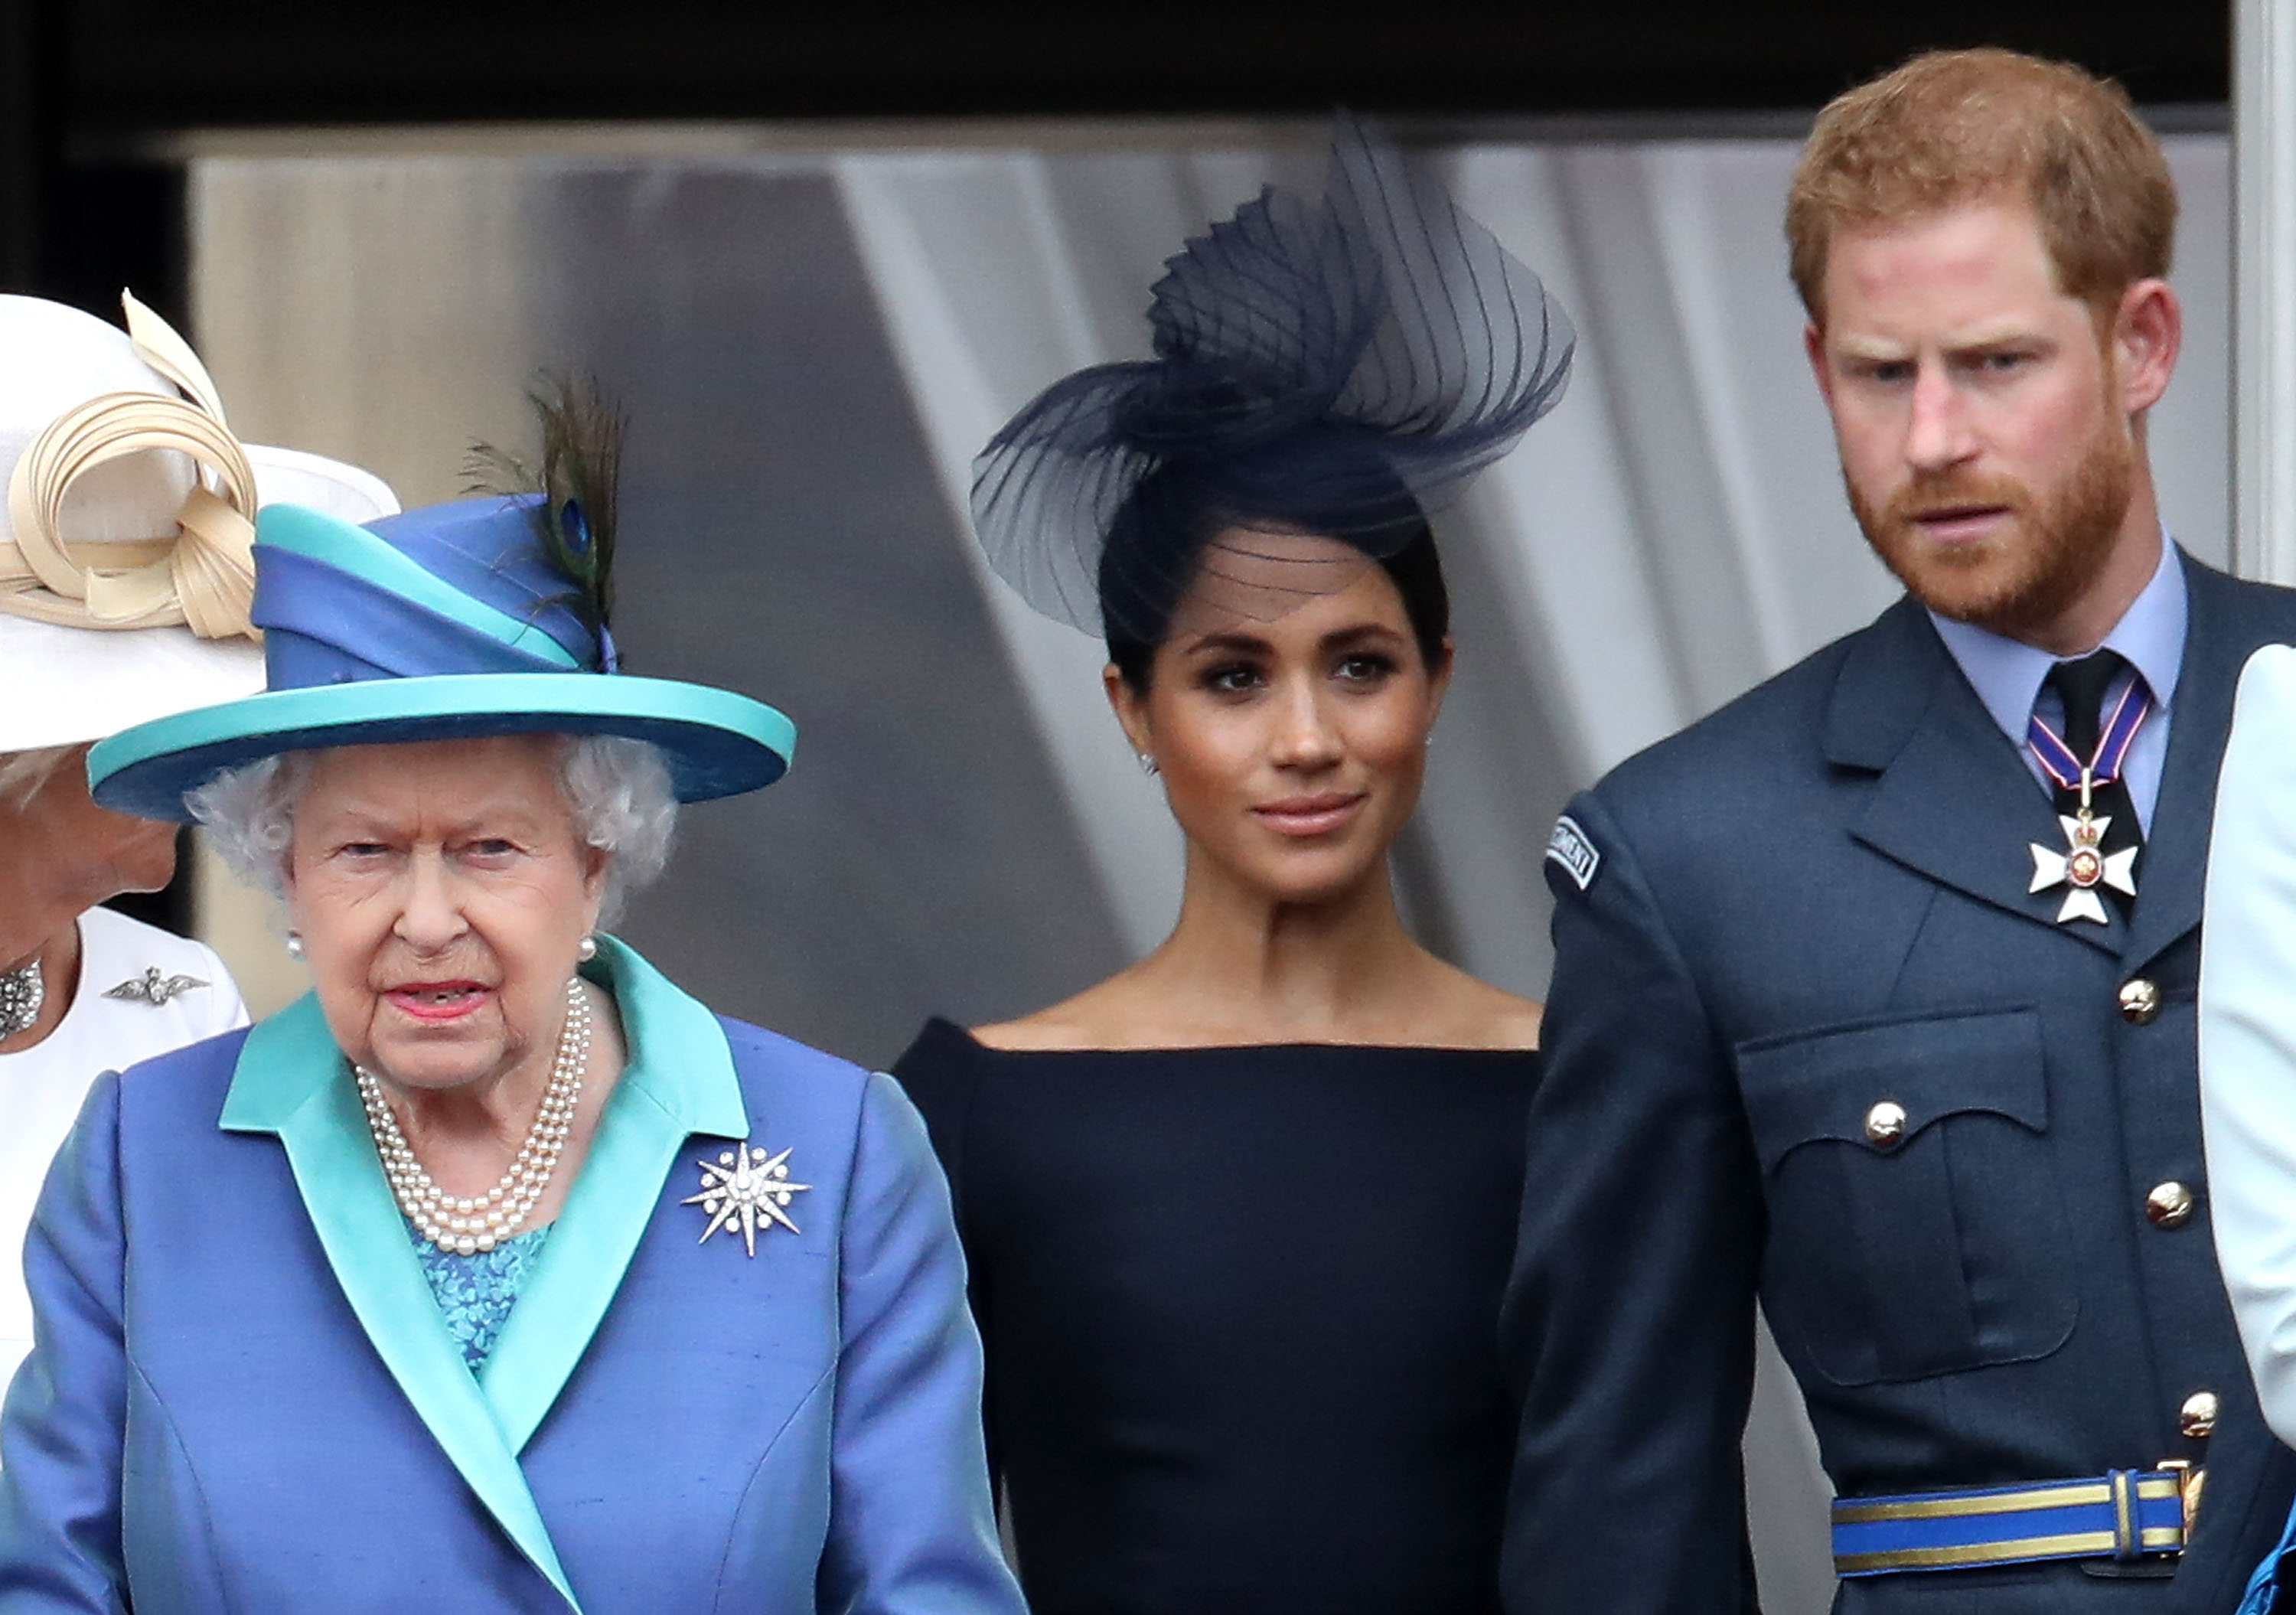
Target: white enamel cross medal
743	1189
2085	869
2084	866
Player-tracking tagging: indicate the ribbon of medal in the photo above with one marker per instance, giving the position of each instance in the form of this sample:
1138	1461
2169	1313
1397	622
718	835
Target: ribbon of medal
2084	866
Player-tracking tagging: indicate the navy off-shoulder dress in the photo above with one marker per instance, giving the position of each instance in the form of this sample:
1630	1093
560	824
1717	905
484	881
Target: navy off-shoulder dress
1240	1308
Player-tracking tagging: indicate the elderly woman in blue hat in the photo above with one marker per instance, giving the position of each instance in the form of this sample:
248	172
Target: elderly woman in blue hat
497	1274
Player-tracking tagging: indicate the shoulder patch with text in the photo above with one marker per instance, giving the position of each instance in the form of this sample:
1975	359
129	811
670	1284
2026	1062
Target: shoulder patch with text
1569	848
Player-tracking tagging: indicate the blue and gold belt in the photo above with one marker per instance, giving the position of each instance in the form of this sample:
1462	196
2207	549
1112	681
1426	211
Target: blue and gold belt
2128	1513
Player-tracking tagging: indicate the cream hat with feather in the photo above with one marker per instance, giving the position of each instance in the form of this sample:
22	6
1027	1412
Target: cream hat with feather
126	518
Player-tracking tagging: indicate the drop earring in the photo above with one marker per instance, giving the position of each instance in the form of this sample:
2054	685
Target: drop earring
294	944
1148	766
587	949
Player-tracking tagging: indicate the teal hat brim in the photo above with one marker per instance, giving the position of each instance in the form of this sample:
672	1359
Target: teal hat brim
717	743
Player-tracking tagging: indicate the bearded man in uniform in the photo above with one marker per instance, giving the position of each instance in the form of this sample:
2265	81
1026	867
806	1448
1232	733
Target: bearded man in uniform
1874	992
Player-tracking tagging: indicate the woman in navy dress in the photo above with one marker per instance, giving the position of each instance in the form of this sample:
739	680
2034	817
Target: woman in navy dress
1238	1217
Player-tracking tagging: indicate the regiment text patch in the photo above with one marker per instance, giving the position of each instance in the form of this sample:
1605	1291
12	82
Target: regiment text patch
1569	848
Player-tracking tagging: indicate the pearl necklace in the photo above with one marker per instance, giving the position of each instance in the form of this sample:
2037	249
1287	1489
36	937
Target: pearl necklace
469	1226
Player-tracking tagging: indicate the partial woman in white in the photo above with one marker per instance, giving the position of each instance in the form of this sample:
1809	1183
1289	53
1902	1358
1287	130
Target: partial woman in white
124	577
2248	1048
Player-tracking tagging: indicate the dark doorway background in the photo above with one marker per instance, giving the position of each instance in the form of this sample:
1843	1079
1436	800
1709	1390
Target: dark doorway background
90	89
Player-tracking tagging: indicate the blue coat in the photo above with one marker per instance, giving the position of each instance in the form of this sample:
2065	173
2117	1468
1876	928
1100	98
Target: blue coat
243	1396
1815	901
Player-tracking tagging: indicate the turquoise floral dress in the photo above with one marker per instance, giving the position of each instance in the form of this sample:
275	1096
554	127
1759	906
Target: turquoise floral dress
475	1293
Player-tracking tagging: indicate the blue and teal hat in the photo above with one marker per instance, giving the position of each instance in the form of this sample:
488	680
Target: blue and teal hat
453	621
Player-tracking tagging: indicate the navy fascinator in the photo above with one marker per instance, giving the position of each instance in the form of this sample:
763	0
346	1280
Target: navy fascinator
1341	365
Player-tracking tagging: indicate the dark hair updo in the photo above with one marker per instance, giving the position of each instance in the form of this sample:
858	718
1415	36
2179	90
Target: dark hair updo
1328	483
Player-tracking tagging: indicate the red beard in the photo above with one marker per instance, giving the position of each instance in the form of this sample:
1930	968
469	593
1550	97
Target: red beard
2025	576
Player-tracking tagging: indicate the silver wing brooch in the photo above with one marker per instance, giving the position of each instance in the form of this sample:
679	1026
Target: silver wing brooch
153	988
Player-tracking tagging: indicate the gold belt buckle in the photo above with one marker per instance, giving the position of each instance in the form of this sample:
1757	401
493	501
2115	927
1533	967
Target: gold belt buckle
2190	1478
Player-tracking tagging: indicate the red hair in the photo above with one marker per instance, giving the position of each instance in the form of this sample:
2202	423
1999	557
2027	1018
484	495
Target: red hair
1954	127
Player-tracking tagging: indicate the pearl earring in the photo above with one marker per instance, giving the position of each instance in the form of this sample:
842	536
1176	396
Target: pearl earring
1148	765
294	944
587	949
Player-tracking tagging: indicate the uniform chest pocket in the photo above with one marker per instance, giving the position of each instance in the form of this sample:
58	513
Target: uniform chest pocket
1916	1223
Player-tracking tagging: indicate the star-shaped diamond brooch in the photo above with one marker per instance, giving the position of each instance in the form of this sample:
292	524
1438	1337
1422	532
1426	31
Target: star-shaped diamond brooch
746	1189
2082	867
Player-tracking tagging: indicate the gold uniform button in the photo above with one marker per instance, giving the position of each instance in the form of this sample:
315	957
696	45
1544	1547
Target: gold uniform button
1885	1125
2140	1001
2197	1418
2169	1205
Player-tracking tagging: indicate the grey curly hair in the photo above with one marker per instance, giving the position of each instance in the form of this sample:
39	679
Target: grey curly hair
618	790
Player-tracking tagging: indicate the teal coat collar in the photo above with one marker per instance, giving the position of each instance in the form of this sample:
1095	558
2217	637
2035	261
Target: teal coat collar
292	1081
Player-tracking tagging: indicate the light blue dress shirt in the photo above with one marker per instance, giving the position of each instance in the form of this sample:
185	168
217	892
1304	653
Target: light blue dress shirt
2008	677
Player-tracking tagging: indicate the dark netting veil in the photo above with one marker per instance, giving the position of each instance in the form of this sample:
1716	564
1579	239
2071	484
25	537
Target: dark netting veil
1340	364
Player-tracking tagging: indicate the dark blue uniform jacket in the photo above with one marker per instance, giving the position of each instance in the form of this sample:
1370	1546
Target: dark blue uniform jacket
1811	902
